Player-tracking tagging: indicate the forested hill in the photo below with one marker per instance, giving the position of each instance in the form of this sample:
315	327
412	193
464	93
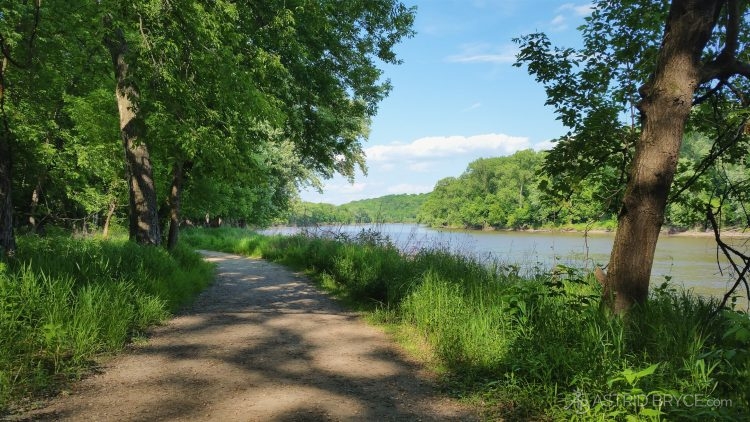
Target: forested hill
401	208
518	192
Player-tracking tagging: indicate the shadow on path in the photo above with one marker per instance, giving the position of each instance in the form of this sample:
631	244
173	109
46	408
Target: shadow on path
261	344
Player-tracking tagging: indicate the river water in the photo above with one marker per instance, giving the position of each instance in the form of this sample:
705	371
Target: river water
688	261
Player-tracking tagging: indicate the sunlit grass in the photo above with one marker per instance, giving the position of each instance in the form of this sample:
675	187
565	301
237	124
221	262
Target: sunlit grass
64	300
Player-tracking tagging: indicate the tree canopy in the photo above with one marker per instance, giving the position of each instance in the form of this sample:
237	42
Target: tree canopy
650	79
223	108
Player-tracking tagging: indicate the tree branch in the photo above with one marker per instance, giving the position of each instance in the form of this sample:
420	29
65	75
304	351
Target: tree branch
717	150
710	93
32	36
726	249
726	64
733	29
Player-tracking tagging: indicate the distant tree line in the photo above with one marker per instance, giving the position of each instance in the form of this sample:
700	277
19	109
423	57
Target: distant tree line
516	192
403	208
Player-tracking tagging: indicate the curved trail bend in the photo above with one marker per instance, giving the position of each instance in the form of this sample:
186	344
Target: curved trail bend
261	344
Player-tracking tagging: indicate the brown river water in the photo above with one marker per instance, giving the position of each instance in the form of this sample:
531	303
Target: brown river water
690	261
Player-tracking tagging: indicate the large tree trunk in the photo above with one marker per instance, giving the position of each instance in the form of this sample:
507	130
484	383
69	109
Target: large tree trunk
665	106
175	193
143	211
7	237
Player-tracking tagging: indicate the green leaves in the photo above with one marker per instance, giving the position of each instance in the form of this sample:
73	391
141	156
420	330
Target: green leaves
258	97
631	377
593	90
505	192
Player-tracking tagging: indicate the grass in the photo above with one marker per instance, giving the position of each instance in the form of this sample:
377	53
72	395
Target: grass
64	301
540	347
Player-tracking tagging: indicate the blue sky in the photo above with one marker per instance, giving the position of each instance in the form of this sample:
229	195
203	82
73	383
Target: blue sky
457	96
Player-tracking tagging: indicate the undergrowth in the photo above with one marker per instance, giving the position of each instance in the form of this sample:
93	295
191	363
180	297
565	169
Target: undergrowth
541	347
65	300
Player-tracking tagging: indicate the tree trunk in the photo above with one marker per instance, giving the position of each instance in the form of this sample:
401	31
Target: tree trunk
7	237
174	204
665	107
108	220
142	206
35	225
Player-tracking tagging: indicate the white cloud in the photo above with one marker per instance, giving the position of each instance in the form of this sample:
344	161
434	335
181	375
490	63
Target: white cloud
559	22
421	166
544	146
472	107
346	188
409	188
569	11
484	53
579	10
491	144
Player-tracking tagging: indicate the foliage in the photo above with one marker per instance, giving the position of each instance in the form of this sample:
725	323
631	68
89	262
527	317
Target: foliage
508	193
511	193
401	208
537	348
594	93
492	192
63	301
648	73
249	101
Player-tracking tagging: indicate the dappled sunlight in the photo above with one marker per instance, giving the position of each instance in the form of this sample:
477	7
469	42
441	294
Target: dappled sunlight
260	344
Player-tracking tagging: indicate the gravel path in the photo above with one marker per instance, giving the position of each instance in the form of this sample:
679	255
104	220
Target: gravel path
261	344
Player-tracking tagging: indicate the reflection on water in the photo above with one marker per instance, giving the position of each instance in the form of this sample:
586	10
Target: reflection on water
690	261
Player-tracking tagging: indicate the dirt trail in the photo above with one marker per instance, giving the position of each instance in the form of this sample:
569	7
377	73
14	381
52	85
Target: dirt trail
261	344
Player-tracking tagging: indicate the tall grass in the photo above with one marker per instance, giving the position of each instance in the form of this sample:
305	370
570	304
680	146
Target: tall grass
541	347
64	300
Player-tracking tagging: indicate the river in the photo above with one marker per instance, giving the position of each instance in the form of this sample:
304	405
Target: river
686	260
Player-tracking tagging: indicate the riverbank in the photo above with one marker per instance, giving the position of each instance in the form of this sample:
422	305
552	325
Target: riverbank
578	228
688	261
668	231
529	348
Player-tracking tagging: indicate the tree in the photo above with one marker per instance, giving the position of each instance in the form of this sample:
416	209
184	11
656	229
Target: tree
322	59
294	106
593	87
18	33
226	107
499	192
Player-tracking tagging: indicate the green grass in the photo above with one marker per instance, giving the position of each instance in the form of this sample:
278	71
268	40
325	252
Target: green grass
63	301
539	348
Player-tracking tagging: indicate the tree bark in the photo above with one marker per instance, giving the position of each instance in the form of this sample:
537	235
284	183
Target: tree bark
175	194
665	107
108	219
142	205
35	225
7	237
